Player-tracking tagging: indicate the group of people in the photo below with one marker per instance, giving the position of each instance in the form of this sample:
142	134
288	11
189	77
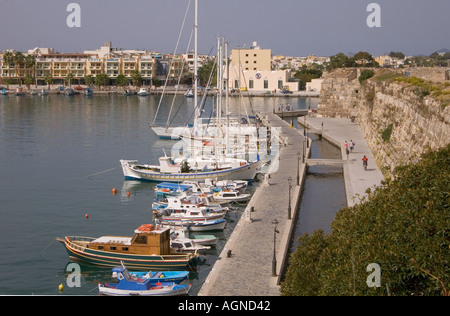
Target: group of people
349	147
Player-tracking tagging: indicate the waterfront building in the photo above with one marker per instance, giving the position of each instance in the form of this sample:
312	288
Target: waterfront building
251	69
253	58
94	66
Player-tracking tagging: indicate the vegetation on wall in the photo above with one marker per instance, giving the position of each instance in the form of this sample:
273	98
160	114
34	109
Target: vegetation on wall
403	226
366	74
387	132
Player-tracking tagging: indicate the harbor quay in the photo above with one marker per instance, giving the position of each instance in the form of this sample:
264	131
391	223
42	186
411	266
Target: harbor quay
339	131
248	264
255	255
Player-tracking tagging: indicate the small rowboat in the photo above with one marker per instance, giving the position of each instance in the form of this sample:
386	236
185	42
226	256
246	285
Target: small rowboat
128	286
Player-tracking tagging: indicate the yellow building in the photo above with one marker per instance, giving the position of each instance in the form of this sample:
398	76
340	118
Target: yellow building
251	69
253	58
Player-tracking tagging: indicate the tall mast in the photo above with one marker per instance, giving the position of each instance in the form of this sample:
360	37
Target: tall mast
196	62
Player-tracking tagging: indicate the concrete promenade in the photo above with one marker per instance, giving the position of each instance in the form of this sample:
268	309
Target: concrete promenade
248	272
337	131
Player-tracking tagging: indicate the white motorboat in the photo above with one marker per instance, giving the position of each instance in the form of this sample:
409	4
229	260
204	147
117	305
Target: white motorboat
231	196
143	92
179	217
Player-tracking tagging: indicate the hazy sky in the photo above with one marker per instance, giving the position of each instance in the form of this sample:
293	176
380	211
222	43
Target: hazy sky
288	27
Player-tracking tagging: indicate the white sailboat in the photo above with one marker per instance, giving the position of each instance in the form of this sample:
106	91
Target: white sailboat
196	164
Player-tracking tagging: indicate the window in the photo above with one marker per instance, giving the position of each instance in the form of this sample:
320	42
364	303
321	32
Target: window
113	248
280	84
101	247
266	84
124	248
251	84
140	239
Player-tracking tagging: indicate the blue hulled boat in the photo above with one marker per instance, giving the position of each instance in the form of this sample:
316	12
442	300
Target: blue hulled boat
129	286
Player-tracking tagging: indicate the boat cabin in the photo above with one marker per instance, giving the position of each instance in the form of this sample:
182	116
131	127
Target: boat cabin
147	240
167	165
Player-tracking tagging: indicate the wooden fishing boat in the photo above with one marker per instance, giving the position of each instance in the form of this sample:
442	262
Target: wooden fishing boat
149	248
129	286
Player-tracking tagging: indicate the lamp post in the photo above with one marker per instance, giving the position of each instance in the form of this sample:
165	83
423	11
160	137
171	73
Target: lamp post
274	259
298	168
289	201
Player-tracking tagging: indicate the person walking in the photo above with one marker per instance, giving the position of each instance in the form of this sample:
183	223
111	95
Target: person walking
352	146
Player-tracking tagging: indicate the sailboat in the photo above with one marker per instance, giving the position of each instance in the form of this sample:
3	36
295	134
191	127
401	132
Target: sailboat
196	164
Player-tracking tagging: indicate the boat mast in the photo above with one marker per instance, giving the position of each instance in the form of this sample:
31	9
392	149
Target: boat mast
196	65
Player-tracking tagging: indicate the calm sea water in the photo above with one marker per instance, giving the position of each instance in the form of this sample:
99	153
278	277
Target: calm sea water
59	160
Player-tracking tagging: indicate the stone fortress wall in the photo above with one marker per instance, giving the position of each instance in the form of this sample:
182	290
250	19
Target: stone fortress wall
398	125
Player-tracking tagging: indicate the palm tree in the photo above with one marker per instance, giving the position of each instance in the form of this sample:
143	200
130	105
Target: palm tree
136	78
69	78
89	80
48	80
101	80
30	63
121	80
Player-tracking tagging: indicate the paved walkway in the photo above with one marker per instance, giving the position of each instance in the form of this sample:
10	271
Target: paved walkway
337	131
248	272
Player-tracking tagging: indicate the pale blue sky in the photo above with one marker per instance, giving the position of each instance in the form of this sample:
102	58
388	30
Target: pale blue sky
289	27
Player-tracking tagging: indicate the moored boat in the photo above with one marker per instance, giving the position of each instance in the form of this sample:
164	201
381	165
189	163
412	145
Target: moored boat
171	172
143	92
129	286
149	248
231	196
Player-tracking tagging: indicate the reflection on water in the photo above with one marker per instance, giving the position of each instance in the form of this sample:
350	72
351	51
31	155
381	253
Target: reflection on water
323	192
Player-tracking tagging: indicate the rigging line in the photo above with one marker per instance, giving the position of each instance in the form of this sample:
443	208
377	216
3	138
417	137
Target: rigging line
203	101
179	80
96	174
171	63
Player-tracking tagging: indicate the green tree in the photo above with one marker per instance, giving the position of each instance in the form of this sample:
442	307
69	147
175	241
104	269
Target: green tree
49	80
19	59
121	80
340	61
101	80
398	55
366	74
136	78
402	225
307	74
89	80
28	81
205	72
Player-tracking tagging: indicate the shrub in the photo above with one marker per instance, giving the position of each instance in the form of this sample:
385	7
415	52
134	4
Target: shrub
366	74
403	225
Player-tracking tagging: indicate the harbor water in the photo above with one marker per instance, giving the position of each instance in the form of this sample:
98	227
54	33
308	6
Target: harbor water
323	190
59	161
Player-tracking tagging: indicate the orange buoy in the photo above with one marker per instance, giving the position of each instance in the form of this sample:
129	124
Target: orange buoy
128	194
86	215
114	191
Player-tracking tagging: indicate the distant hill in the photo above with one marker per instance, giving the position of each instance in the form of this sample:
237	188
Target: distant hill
443	50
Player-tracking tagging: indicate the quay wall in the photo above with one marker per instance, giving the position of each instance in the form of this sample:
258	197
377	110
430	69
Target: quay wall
398	125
